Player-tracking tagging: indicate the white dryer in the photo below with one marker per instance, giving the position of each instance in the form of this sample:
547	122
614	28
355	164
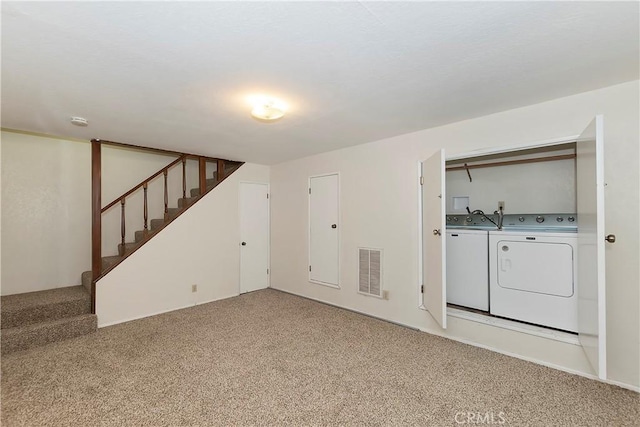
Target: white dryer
532	277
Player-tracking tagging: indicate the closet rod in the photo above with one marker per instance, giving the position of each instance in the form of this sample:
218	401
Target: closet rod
511	162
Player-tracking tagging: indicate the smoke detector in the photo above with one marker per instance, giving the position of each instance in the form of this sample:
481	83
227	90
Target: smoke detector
79	121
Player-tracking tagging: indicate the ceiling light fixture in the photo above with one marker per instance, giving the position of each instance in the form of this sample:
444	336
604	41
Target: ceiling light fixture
268	109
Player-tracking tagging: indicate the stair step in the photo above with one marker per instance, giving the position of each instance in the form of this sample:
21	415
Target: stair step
140	235
228	170
86	277
53	304
156	223
110	261
127	248
195	192
184	202
34	335
107	263
173	212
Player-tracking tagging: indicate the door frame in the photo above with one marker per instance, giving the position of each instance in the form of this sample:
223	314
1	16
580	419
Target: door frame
268	234
309	230
510	148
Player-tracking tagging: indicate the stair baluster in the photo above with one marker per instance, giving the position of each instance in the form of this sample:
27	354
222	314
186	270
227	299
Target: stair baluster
123	230
184	177
202	169
99	265
220	169
96	218
145	208
166	196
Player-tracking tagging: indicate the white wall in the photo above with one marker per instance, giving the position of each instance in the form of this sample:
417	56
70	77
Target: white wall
46	206
200	247
546	187
379	208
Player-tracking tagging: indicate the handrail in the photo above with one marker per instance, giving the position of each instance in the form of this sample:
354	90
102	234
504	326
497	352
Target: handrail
96	199
146	181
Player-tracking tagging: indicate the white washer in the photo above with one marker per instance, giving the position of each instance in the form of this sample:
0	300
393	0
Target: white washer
467	270
532	277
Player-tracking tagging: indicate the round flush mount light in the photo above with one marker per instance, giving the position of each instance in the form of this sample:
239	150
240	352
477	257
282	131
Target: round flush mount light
268	108
79	121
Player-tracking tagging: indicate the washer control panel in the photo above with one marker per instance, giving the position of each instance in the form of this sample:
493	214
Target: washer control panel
472	221
550	222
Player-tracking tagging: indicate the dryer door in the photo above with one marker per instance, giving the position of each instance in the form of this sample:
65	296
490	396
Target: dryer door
533	266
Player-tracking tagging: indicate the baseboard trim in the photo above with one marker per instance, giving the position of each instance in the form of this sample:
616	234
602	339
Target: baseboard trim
537	331
624	385
515	355
117	322
537	361
348	309
475	344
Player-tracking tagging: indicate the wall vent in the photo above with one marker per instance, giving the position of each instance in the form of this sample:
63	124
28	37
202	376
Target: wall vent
370	272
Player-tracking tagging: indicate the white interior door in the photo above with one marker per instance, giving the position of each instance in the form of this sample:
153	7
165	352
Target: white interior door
434	279
591	241
254	236
323	229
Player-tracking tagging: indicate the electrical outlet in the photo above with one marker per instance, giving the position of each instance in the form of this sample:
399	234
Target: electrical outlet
385	294
501	205
194	288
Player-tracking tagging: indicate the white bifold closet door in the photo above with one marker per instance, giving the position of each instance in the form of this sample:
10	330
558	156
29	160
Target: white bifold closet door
434	250
591	246
324	251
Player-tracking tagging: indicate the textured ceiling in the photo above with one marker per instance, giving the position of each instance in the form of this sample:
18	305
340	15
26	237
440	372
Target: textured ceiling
175	74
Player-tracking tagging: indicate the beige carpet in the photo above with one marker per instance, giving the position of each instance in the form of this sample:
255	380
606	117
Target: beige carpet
269	358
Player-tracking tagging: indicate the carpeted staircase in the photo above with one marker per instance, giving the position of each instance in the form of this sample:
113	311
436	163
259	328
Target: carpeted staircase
155	225
37	318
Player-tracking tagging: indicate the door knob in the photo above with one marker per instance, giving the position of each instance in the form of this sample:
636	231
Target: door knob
334	226
436	232
611	238
244	243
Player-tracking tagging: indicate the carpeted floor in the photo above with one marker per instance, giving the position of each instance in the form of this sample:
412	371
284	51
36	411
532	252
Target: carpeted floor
269	358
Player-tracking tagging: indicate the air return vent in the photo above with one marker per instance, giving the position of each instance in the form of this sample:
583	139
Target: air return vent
370	272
